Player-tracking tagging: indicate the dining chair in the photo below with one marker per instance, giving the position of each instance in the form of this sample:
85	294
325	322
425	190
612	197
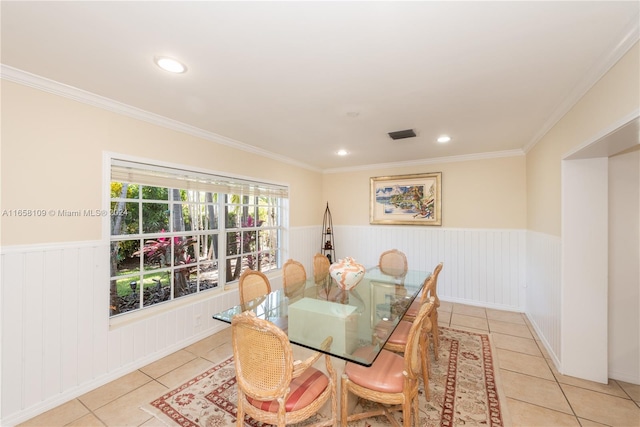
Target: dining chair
272	387
397	342
393	262
391	380
293	273
429	290
321	266
253	284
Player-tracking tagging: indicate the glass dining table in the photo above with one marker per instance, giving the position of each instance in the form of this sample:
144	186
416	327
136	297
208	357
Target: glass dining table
364	316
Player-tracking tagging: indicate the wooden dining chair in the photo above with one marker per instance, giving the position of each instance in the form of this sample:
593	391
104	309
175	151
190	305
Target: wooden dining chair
253	284
321	266
429	290
293	274
272	387
397	342
392	380
393	262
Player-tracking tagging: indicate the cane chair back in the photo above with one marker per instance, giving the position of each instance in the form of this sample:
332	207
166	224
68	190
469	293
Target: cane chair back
253	284
392	380
393	262
293	273
272	387
321	266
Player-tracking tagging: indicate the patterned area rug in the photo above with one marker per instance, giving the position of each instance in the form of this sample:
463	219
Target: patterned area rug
463	389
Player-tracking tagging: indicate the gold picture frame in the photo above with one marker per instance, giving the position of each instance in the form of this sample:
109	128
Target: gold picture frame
406	199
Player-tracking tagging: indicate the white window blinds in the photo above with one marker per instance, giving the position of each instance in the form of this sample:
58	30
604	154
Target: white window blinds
161	176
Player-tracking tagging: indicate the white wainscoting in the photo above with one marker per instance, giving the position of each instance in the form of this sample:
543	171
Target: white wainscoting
481	267
56	340
543	290
57	343
304	243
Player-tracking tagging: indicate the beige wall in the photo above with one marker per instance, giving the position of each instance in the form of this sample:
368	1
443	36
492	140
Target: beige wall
52	159
615	96
487	193
52	151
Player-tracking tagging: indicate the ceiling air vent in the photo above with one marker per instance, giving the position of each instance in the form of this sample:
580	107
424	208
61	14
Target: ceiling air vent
401	134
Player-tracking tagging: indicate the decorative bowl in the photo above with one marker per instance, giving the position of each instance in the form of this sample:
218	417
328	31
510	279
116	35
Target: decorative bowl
347	273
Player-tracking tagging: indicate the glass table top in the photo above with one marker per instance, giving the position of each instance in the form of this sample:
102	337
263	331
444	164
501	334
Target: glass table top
364	316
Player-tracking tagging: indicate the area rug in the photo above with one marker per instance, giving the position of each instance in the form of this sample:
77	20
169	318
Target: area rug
463	387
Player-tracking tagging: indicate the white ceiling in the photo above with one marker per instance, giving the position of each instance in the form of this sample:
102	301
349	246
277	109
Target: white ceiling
285	76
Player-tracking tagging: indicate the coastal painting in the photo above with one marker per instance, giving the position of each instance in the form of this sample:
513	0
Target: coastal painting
406	199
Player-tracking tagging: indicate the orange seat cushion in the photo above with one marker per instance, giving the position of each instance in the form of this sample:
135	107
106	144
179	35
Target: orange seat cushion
385	375
304	390
401	334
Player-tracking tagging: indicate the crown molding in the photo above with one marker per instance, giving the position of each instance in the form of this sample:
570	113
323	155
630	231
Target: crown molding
629	36
79	95
608	131
27	79
435	160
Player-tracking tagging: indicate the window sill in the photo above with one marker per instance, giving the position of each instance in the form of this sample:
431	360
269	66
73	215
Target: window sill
275	277
165	307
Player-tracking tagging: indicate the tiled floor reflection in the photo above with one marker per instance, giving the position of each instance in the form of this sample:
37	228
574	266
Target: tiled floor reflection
535	393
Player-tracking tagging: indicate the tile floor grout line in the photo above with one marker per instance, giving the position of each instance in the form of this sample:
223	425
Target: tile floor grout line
151	379
625	392
173	369
589	390
224	338
84	415
530	375
565	395
573	413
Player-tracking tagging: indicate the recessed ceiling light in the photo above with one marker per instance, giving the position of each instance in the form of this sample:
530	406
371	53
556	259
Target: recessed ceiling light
169	64
444	138
342	152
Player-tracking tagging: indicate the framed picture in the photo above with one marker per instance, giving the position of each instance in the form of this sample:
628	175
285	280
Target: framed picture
406	199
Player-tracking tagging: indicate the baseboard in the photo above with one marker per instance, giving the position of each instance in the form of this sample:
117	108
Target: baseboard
545	343
481	304
68	395
631	378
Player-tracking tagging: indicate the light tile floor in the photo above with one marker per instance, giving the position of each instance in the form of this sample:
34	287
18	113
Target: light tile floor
536	394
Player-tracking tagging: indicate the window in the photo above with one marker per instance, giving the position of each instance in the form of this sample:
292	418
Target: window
176	233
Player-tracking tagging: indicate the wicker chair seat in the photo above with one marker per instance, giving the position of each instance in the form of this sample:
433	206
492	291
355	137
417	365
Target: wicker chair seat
385	375
304	390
